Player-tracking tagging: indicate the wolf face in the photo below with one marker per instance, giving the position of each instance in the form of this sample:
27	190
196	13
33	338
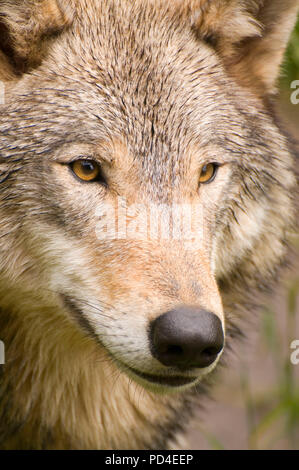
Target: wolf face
116	119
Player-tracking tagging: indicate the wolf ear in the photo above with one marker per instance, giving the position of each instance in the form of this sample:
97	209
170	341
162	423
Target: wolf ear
250	35
26	27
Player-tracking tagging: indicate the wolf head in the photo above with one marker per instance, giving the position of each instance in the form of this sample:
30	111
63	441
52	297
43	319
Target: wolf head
145	188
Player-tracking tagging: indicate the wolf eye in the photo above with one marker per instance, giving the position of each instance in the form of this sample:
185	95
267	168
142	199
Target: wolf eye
208	173
87	170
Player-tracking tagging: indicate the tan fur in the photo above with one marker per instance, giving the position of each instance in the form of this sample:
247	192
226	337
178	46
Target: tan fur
152	90
30	25
6	70
259	59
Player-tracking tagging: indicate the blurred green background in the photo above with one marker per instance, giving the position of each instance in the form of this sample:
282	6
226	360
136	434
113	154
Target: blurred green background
257	399
291	66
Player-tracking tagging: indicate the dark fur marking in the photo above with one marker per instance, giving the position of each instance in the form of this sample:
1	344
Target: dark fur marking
79	317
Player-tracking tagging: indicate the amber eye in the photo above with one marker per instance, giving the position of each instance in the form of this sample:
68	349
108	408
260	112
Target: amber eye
86	170
208	173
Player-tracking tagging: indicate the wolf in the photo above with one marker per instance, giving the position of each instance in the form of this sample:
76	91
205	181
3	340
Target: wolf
112	340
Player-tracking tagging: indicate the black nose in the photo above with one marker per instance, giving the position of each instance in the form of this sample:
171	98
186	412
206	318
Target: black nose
187	337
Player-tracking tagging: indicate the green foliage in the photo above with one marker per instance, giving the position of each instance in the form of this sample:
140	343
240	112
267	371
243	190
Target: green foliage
284	400
291	66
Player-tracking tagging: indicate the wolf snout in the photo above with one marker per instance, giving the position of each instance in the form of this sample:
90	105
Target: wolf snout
187	337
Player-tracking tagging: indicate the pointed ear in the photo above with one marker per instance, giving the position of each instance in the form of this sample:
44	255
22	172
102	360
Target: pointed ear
263	56
26	28
250	35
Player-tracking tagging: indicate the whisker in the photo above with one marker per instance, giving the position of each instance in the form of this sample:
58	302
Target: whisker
104	303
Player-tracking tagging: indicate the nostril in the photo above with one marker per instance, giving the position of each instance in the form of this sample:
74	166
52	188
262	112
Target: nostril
175	350
210	352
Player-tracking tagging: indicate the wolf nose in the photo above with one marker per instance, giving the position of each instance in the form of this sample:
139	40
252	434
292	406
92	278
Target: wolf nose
187	337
